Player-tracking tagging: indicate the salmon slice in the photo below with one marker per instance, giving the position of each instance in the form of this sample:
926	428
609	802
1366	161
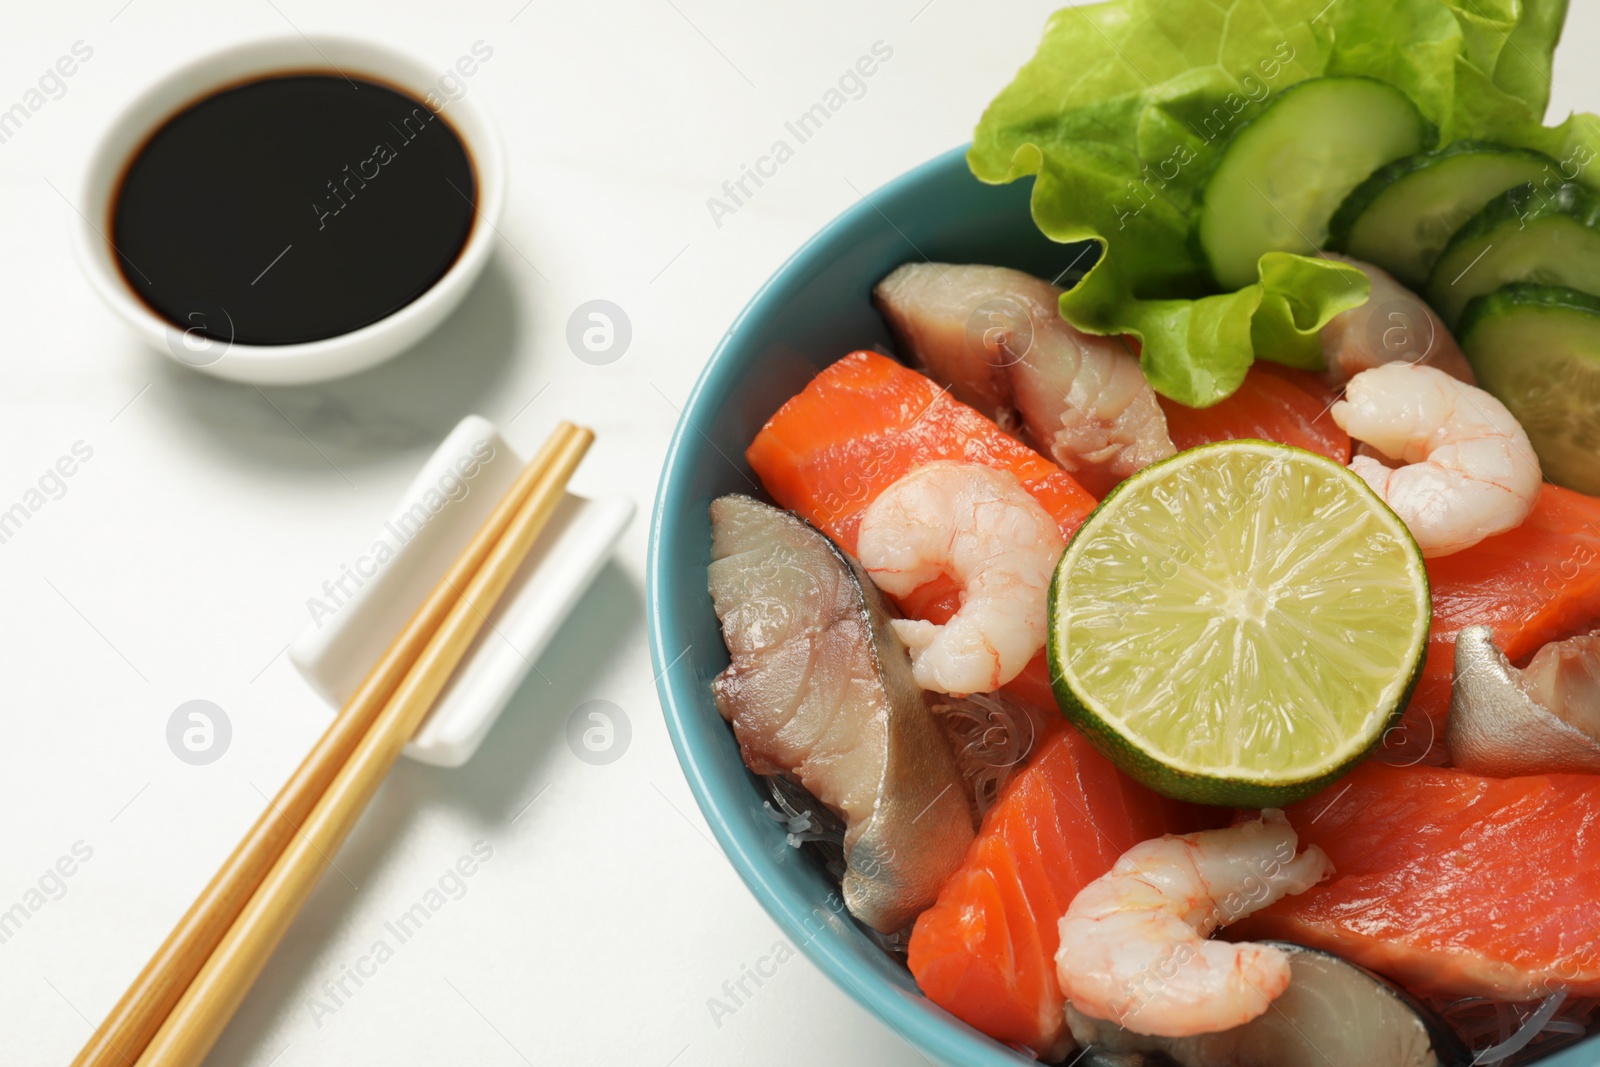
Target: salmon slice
985	951
1535	584
864	423
1306	381
1272	403
1453	884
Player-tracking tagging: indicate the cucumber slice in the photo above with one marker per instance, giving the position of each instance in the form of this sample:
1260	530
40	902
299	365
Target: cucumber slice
1528	234
1401	218
1537	348
1283	175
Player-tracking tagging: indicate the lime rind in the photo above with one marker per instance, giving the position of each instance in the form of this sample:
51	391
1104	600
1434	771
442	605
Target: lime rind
1238	624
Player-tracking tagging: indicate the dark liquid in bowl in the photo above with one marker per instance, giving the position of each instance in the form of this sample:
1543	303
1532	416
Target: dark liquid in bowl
292	209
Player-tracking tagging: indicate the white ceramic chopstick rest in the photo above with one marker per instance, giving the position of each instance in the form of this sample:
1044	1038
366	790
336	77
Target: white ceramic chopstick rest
366	600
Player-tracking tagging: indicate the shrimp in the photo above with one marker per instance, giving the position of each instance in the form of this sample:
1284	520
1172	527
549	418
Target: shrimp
978	526
1134	946
1395	325
997	338
1469	470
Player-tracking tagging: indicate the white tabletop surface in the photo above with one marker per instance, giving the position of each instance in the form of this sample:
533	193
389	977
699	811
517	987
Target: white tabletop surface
175	564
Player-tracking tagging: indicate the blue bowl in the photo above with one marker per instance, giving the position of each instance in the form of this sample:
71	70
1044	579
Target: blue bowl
814	310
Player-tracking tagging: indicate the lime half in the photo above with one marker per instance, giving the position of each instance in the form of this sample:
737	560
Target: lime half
1238	624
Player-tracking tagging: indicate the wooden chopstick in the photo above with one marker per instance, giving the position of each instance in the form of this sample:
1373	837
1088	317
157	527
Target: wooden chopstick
211	998
128	1027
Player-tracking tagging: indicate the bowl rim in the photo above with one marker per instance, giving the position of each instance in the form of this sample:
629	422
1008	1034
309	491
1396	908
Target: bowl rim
952	1040
175	89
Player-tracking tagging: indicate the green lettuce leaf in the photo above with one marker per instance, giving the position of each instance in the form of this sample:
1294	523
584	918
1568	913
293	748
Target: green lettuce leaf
1122	113
1523	69
1197	351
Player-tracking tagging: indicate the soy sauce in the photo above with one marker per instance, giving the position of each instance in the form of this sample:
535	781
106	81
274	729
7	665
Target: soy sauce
292	209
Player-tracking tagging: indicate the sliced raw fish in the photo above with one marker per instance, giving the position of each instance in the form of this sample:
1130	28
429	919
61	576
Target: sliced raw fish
1309	1025
996	336
1394	325
1532	585
1273	403
863	424
1564	678
1451	883
1505	722
986	951
820	689
934	312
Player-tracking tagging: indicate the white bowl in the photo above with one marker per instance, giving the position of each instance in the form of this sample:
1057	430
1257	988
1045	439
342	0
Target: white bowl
312	361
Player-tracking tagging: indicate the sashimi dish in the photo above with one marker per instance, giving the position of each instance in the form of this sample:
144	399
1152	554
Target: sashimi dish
1199	663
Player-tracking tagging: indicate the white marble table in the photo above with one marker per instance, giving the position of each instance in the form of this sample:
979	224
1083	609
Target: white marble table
175	562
